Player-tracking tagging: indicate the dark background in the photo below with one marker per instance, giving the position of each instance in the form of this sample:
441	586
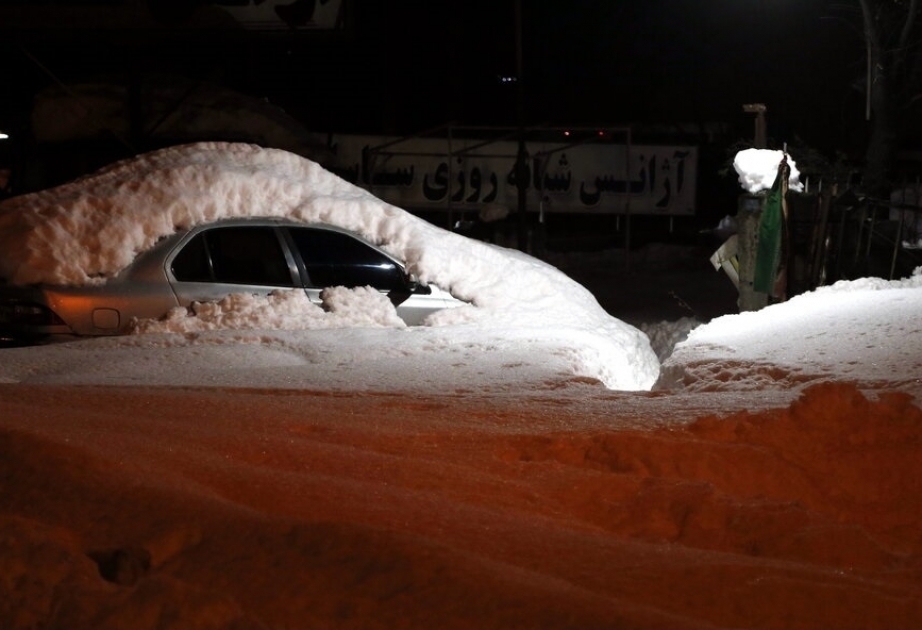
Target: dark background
403	66
412	65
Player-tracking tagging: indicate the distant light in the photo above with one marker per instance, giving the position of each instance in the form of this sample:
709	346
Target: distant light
4	136
507	79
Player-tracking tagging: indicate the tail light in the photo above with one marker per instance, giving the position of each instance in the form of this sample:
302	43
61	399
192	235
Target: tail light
28	314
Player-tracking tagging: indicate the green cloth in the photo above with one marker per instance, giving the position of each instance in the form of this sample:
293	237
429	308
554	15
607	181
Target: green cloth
768	253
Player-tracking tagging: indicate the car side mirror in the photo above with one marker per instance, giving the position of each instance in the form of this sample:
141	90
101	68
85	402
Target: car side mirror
416	286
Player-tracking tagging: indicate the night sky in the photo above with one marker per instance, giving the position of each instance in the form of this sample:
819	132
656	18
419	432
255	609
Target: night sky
408	65
601	62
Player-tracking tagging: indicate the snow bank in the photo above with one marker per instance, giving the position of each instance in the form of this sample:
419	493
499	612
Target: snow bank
864	330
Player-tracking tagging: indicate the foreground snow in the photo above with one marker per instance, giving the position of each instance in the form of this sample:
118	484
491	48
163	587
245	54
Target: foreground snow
450	476
567	507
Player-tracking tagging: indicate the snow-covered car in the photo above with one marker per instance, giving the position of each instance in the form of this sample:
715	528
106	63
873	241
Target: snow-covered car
218	236
209	262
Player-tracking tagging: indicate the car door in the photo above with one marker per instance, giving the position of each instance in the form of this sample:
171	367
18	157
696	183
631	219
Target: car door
221	260
331	258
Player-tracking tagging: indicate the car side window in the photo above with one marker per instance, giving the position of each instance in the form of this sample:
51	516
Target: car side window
334	259
234	255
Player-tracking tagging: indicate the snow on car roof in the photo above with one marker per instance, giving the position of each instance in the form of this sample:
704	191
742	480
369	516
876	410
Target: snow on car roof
86	231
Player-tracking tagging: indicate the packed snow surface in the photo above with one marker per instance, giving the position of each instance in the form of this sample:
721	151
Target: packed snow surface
86	231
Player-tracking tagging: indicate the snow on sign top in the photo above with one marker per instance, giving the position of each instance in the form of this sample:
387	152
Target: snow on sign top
86	231
758	168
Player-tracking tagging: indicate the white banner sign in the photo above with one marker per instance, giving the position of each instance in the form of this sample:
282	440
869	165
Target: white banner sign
427	173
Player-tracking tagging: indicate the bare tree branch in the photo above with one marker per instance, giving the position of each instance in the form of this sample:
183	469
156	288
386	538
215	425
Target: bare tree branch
908	24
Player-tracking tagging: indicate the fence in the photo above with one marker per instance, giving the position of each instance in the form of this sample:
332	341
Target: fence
841	237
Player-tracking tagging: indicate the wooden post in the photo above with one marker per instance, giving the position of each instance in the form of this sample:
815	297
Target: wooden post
748	217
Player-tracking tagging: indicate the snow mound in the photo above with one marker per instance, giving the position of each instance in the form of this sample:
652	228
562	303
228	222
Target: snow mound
866	331
86	231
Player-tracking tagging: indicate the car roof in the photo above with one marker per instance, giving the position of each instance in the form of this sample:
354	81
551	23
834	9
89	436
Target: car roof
272	221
